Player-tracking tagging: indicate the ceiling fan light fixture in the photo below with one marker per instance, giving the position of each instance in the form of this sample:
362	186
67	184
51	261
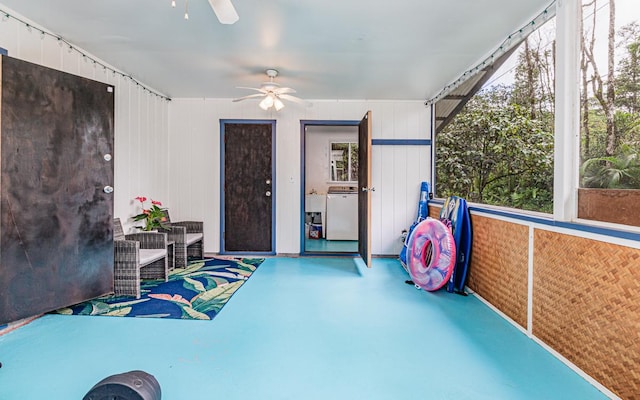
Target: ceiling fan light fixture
225	11
266	103
278	104
272	94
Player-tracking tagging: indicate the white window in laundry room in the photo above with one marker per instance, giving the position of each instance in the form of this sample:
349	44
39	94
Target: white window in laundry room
343	162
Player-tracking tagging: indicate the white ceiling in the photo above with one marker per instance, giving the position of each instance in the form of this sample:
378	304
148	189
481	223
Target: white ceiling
325	49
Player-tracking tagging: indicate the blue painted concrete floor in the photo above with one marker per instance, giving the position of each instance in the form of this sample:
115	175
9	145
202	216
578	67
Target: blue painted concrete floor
300	328
330	246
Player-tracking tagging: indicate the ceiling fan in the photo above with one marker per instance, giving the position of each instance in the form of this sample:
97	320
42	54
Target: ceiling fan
224	10
271	93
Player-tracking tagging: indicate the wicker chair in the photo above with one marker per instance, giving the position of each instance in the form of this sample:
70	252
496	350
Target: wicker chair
189	240
138	256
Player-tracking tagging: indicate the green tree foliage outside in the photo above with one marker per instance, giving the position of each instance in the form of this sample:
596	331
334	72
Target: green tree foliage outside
494	152
610	147
499	149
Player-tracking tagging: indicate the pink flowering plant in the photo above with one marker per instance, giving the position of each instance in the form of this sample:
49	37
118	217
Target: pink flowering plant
153	216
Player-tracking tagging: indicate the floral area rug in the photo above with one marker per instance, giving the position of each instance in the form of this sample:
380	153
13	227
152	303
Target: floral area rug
196	292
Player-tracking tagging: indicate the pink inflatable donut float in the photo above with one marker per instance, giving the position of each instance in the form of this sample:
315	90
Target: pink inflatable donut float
431	254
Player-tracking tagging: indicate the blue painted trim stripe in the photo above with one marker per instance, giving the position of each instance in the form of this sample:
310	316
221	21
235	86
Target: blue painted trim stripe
328	122
401	142
4	52
247	253
598	230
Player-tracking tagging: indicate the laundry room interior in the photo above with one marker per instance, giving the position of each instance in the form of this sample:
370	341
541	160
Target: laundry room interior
331	188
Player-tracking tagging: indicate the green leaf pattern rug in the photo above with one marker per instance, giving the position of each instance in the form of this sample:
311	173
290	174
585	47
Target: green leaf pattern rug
196	292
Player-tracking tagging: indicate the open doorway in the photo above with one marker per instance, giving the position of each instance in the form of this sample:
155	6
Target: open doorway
330	187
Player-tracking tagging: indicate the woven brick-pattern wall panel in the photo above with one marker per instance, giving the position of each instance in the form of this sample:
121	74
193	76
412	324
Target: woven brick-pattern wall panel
434	211
499	272
586	306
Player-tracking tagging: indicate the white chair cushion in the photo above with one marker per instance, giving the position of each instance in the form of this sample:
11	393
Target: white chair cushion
147	256
193	237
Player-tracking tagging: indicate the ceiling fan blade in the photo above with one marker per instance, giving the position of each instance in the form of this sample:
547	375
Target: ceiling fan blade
284	90
251	96
225	11
292	98
252	88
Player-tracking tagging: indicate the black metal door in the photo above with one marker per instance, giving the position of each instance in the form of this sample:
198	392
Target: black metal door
57	218
248	200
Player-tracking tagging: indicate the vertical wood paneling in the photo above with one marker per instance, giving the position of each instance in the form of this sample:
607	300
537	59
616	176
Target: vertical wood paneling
206	131
69	60
86	67
123	180
178	157
377	176
29	45
209	182
383	119
51	54
9	37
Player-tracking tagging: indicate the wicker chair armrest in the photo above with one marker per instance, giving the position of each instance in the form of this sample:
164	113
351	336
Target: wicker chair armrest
149	240
192	226
177	234
126	257
125	245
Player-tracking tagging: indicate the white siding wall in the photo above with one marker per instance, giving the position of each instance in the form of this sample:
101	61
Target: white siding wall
141	128
194	153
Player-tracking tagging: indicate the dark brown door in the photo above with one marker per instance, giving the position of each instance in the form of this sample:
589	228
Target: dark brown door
364	194
248	200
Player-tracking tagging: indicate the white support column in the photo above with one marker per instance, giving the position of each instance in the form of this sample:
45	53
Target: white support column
567	119
432	134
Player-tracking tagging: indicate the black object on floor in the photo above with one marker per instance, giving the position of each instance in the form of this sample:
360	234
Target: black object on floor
132	385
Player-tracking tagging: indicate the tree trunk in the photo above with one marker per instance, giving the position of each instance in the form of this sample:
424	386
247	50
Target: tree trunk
586	50
609	111
530	86
584	93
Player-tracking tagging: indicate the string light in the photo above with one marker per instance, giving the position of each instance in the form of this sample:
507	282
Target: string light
186	9
543	17
86	57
